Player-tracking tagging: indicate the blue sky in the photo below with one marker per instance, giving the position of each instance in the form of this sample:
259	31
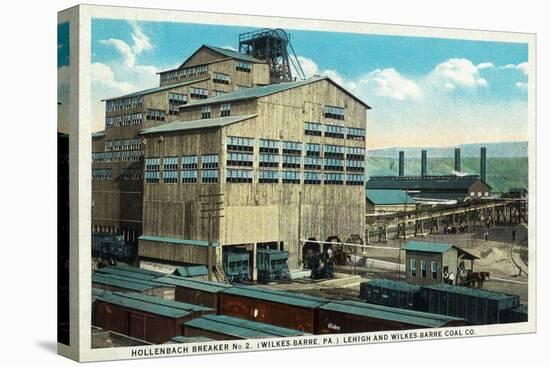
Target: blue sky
419	88
63	61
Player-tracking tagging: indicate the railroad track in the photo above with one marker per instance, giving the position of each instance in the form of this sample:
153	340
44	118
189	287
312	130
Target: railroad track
522	263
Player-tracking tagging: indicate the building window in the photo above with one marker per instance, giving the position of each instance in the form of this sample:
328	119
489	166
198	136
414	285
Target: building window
312	178
333	151
355	153
126	120
102	174
334	179
225	109
292	161
152	176
126	144
313	150
131	174
98	156
125	156
116	156
170	176
334	131
170	163
137	118
337	113
135	144
240	144
313	128
243	66
135	155
117	120
291	177
109	121
108	156
202	69
152	164
240	159
238	175
199	93
355	166
155	115
174	101
292	147
269	160
434	269
189	176
189	162
209	176
413	267
206	112
312	163
357	180
124	103
423	268
108	145
268	176
269	146
333	164
221	78
209	161
116	145
355	133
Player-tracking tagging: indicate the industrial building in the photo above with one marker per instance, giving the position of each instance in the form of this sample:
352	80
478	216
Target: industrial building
287	160
381	201
455	188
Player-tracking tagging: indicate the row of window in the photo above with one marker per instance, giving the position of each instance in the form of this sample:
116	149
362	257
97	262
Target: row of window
118	156
334	131
125	144
221	78
294	148
124	104
102	174
434	267
294	177
189	162
184	176
184	73
124	120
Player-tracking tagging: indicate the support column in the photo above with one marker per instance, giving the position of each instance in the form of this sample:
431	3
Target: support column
254	262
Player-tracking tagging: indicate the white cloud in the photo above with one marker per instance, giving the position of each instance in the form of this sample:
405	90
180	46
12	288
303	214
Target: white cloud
141	41
129	53
123	49
455	73
485	65
523	67
521	85
390	83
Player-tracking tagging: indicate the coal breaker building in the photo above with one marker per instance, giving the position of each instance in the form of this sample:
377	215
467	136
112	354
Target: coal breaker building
286	160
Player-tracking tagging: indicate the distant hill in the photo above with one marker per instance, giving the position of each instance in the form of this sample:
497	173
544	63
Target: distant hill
494	150
507	163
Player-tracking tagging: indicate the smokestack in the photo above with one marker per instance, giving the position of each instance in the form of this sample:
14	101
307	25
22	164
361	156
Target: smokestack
457	160
483	164
401	163
424	163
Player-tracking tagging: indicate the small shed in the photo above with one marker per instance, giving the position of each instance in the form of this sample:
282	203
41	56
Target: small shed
220	327
392	293
199	292
285	309
144	317
356	317
433	262
476	306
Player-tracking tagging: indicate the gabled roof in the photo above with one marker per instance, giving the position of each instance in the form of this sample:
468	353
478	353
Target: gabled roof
436	248
241	328
158	89
288	298
195	124
191	271
224	52
423	182
202	285
143	305
389	313
389	197
165	302
265	90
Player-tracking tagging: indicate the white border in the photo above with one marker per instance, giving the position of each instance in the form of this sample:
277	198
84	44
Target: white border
83	131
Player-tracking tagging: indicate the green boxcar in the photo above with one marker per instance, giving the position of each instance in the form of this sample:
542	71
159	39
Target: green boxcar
392	293
272	264
476	306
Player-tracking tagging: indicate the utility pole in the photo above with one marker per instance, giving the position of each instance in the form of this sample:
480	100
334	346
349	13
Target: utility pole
211	211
